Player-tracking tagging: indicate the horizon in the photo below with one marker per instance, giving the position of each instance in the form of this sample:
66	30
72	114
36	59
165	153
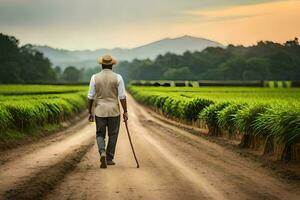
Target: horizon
58	25
128	48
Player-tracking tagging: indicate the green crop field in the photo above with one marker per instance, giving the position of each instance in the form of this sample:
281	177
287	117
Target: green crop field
26	108
266	118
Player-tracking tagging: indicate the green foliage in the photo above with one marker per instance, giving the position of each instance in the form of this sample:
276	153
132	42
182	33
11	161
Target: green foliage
256	69
177	74
71	74
194	107
263	61
226	117
6	118
174	107
210	113
280	123
24	108
245	118
267	112
160	101
23	64
32	90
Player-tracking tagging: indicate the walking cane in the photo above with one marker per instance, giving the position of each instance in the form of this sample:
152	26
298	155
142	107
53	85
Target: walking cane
127	130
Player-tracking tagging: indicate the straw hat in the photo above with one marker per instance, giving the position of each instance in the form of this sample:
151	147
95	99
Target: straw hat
107	60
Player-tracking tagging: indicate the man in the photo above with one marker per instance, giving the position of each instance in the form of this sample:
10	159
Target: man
106	88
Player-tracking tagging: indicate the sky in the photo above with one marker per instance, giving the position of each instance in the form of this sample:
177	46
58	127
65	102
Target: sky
92	24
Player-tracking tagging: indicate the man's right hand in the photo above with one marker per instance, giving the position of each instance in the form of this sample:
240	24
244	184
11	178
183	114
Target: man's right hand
125	116
91	118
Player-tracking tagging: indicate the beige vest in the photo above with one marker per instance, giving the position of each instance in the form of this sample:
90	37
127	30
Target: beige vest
106	99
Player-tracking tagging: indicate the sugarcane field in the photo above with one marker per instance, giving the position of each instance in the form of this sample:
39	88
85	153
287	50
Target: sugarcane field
149	100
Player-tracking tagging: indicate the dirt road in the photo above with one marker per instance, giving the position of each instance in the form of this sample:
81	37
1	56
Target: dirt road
174	165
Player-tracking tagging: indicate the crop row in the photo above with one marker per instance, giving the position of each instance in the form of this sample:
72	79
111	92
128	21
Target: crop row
22	113
8	90
259	122
205	83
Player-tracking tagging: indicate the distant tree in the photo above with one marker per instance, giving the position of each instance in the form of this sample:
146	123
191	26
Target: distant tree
36	67
177	73
58	71
71	74
292	43
232	69
81	74
9	60
88	72
22	64
256	69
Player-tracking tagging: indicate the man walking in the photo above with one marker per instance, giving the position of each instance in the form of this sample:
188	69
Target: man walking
106	89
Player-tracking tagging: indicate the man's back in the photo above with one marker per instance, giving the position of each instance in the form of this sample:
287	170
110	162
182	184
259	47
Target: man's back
106	83
106	88
106	94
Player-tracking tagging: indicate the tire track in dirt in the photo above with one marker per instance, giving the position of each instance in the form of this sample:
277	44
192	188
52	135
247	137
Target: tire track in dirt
40	184
15	174
29	146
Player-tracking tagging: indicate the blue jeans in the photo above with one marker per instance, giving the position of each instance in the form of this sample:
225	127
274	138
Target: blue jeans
112	124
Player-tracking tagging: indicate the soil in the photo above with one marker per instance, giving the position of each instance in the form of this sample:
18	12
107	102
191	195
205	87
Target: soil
174	164
40	136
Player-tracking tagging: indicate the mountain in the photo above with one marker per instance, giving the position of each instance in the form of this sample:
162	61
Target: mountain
176	45
87	58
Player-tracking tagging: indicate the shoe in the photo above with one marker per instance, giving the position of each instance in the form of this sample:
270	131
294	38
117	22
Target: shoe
110	162
103	160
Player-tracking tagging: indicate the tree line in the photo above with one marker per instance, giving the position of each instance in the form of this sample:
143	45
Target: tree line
24	64
264	61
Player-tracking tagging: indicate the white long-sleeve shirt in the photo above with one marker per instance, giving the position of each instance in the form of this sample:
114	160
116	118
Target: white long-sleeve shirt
121	88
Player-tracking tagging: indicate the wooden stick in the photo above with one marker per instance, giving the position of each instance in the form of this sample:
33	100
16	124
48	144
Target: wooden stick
137	163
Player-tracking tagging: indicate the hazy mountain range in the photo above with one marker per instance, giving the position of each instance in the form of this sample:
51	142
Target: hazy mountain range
88	58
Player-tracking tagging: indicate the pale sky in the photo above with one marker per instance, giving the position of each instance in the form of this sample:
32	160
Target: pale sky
91	24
